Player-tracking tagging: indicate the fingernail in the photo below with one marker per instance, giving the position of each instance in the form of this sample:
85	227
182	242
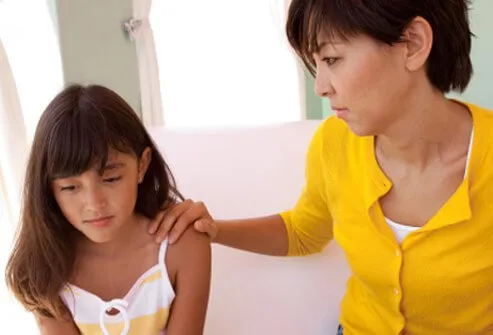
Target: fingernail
152	230
171	239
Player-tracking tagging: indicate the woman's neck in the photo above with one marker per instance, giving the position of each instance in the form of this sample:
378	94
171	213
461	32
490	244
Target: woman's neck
425	131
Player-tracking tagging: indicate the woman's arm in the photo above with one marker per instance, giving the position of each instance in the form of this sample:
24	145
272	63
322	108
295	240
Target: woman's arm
306	229
189	260
52	326
263	235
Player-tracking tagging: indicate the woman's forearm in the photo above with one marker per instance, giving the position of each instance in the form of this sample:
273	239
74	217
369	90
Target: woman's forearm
264	235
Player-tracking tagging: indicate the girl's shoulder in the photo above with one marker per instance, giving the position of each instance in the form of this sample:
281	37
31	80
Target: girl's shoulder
191	249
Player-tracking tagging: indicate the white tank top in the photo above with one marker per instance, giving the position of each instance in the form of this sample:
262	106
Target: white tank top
143	310
400	230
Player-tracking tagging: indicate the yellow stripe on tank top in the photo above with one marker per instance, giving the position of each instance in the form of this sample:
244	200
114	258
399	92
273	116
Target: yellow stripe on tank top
147	324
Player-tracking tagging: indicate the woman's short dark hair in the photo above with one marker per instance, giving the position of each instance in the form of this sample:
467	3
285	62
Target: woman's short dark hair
449	65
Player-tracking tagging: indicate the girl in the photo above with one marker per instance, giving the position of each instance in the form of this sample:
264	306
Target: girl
401	176
83	261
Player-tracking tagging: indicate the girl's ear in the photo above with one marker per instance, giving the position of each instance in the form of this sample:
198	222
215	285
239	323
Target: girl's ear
144	161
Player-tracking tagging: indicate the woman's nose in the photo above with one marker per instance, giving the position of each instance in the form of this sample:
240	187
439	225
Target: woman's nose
323	85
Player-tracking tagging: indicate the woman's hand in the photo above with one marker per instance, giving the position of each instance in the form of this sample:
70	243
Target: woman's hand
174	221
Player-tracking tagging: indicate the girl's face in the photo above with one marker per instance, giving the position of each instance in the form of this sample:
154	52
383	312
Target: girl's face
100	206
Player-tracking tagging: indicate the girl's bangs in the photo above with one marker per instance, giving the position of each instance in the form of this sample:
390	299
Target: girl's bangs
79	142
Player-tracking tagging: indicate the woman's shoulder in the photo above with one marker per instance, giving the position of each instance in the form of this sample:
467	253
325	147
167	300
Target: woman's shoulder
479	112
333	140
332	126
482	123
335	133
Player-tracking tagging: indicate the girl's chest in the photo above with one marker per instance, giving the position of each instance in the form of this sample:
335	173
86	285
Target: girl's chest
111	278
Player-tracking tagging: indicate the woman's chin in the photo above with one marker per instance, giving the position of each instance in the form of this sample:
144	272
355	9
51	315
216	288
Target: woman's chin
359	129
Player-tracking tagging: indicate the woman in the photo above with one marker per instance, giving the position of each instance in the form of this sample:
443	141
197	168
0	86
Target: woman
398	177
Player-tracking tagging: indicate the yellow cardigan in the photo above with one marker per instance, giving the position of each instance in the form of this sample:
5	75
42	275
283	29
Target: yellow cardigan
439	281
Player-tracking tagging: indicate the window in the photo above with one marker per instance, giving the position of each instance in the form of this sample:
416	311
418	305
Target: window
31	43
225	63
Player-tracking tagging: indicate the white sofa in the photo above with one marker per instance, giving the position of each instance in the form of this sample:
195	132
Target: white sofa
250	172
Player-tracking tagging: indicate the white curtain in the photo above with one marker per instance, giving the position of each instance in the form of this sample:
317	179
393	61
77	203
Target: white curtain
13	144
13	152
30	75
140	31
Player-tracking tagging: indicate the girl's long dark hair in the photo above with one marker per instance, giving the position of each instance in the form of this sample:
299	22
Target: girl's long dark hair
74	134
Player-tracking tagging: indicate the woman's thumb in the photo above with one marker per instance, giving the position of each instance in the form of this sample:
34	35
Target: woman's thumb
205	226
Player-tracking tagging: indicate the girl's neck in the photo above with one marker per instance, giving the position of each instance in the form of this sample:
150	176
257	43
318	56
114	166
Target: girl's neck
131	235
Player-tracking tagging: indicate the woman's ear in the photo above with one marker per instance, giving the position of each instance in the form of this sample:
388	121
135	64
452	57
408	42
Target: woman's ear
144	161
418	38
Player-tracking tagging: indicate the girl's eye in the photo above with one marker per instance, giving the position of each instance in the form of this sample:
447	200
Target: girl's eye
67	188
112	180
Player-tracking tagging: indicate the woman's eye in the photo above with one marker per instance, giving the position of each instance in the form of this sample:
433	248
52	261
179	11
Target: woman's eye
330	60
